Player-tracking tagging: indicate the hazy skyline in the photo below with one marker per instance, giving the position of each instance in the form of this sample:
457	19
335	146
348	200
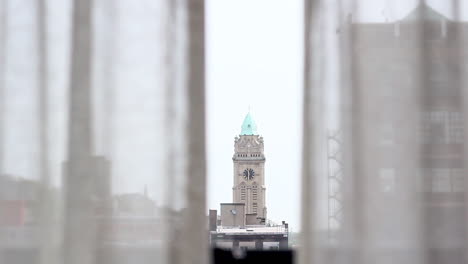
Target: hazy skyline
254	58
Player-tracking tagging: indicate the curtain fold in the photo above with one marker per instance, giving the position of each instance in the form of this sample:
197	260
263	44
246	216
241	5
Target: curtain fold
3	57
102	129
397	84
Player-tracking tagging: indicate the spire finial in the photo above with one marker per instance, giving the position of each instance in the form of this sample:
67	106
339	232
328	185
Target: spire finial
248	126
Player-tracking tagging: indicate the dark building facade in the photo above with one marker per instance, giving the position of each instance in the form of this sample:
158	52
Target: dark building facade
409	78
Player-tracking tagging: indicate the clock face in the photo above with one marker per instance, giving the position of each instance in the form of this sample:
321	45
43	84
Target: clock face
249	174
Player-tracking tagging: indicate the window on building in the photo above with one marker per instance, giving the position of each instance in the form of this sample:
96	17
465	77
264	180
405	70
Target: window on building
458	180
442	127
441	180
440	76
254	193
433	127
387	180
254	207
243	193
455	128
387	134
425	180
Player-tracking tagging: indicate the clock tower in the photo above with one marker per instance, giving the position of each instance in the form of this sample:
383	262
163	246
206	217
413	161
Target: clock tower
249	169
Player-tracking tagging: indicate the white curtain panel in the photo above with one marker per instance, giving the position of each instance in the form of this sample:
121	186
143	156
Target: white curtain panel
384	132
102	151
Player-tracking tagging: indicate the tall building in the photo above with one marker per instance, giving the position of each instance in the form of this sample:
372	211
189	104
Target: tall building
249	169
242	223
397	62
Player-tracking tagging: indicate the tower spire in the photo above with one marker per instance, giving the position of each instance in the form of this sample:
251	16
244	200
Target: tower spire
248	126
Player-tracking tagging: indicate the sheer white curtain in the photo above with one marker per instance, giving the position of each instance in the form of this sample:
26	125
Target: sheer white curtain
391	79
102	151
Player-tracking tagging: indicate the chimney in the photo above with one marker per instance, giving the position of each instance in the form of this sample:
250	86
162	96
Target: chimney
213	219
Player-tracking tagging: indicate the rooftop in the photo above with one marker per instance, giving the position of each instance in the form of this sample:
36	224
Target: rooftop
423	11
254	230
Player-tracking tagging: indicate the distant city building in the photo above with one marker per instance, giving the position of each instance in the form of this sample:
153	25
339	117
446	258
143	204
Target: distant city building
133	204
249	170
242	222
19	212
233	215
98	168
17	201
136	220
394	61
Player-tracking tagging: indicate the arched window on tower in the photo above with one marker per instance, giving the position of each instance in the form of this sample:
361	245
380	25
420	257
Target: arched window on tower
243	192
254	191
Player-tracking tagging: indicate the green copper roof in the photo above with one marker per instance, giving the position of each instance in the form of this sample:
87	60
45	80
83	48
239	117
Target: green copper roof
248	126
